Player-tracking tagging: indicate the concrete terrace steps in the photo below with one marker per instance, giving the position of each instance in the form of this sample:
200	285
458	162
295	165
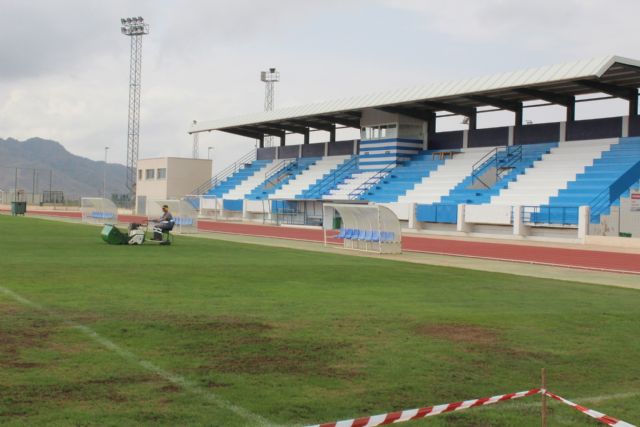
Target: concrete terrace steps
261	192
447	175
233	180
552	172
245	187
296	186
342	191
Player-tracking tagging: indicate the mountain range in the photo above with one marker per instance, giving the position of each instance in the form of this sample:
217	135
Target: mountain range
76	176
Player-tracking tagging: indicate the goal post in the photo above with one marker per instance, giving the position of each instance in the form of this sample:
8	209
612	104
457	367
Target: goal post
98	210
184	214
371	228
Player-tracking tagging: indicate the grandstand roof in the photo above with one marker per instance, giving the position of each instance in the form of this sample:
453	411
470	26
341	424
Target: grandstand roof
611	74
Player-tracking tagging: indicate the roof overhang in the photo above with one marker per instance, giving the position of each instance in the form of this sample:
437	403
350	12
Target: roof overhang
558	84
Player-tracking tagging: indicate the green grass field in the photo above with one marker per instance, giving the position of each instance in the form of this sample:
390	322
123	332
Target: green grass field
207	332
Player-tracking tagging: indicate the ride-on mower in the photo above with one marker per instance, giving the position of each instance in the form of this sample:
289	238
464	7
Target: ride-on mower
136	235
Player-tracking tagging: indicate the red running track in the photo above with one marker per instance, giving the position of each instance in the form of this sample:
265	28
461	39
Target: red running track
574	258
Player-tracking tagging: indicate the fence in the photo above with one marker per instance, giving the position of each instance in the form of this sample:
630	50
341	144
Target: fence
429	411
19	184
296	212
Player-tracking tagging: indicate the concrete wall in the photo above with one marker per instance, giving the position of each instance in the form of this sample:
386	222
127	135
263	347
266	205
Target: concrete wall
610	127
266	153
313	150
445	140
183	175
488	137
537	133
289	152
152	188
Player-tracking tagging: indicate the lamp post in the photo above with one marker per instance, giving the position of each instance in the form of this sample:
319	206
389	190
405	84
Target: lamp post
104	174
135	28
270	78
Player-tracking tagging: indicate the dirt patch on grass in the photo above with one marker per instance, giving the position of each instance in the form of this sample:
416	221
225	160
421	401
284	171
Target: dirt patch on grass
20	336
245	346
459	333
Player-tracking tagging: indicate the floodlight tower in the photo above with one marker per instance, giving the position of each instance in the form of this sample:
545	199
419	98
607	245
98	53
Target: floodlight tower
196	143
270	78
135	28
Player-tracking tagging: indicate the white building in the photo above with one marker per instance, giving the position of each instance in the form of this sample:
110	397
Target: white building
168	178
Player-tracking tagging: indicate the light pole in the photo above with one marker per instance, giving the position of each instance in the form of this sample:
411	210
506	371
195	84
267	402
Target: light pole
209	153
135	28
104	174
270	78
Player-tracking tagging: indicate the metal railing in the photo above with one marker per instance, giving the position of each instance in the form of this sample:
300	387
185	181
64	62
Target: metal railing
513	155
278	172
365	186
225	173
318	189
603	201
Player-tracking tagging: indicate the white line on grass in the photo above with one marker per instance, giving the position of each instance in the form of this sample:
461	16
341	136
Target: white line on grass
178	380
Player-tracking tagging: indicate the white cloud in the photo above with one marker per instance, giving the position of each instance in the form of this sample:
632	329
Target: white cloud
64	68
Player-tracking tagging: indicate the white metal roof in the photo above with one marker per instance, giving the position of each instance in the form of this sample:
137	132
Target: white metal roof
588	68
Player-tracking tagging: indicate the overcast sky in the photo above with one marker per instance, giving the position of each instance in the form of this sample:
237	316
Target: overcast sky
64	64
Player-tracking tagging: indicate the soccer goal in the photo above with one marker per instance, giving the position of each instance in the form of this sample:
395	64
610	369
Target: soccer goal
97	210
371	228
184	214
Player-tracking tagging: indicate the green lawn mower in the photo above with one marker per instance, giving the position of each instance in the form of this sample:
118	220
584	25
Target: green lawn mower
136	235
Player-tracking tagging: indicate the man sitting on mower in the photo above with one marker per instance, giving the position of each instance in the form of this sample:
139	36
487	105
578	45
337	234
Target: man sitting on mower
164	223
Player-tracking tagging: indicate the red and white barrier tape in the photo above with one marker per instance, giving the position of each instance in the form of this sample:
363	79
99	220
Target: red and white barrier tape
414	414
605	419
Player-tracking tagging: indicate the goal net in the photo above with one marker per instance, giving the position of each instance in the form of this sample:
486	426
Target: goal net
371	228
97	210
184	214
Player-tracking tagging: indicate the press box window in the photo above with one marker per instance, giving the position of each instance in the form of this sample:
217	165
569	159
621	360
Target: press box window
150	173
379	132
162	173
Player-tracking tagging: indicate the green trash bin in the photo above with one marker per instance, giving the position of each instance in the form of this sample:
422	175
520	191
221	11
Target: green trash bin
112	235
18	208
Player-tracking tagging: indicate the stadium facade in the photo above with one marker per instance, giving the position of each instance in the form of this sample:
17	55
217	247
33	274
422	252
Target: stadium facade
549	176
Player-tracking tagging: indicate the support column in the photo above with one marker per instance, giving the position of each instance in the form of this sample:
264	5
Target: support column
571	111
465	138
518	117
584	216
633	106
306	137
512	134
625	126
473	122
332	133
282	140
261	142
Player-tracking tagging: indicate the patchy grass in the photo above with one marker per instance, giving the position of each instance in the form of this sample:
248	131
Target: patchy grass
296	337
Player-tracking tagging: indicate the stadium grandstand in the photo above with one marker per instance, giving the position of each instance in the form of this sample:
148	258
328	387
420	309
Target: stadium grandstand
557	178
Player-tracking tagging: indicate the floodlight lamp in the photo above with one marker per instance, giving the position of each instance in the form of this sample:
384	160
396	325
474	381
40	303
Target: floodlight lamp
272	70
140	19
123	30
122	21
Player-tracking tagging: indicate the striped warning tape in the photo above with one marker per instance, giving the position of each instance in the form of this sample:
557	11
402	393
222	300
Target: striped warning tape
414	414
605	419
